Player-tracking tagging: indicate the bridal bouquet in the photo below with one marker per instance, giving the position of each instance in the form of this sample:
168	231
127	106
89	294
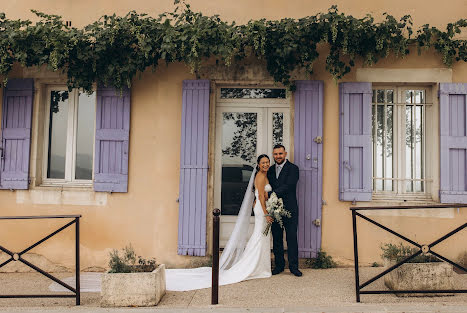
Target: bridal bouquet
275	208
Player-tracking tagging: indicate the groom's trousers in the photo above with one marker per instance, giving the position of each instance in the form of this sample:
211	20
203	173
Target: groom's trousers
290	225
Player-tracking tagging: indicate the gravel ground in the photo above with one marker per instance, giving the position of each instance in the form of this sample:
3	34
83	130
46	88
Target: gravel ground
331	287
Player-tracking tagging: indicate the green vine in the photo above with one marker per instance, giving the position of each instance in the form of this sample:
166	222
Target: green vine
114	49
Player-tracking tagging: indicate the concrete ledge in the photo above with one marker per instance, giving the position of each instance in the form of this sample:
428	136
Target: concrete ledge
133	289
420	276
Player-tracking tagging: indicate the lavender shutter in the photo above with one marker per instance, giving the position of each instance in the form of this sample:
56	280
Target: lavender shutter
355	152
453	142
112	136
193	168
308	152
16	134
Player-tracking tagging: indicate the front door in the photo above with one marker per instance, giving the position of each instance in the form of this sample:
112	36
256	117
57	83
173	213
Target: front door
244	131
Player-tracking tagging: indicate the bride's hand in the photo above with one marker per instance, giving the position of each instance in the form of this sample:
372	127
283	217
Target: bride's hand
269	219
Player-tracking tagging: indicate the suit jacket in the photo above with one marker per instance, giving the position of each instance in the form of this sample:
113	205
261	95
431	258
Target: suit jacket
285	186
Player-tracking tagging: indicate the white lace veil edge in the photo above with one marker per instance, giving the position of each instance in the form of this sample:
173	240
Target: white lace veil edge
235	247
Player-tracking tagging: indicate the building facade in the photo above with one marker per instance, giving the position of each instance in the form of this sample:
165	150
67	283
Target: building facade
147	166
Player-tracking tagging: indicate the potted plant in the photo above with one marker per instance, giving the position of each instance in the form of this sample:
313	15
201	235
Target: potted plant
424	272
132	280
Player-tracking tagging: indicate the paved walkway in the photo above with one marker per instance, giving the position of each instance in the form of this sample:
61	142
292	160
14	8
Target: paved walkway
361	308
329	290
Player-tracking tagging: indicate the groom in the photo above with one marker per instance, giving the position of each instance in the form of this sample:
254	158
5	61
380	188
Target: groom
283	177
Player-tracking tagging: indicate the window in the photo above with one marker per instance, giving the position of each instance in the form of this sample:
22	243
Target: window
253	93
69	137
402	140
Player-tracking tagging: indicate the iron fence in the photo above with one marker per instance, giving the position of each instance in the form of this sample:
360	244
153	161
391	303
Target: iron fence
423	248
17	257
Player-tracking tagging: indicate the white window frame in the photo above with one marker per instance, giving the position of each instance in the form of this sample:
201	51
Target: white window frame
430	143
70	155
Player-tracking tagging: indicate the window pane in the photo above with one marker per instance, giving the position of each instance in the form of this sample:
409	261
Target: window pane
382	119
409	143
277	128
380	96
57	134
389	147
418	147
85	136
239	140
390	96
414	139
379	146
373	138
252	93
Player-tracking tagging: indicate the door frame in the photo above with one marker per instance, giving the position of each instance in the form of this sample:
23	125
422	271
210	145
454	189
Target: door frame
262	107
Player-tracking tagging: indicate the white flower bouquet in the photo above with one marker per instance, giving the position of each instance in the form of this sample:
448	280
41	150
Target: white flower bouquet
275	208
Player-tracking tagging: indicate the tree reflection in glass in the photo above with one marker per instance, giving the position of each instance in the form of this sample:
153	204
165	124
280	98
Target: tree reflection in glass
277	128
414	139
58	123
239	142
383	138
253	93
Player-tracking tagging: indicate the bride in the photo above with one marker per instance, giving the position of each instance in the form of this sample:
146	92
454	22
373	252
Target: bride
243	258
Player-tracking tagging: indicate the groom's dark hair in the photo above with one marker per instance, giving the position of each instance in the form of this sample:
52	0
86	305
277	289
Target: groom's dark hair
278	146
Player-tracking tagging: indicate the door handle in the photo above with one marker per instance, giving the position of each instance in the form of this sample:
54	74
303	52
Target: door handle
347	165
2	164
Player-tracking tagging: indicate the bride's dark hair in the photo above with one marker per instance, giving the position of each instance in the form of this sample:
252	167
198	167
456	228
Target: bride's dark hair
259	159
257	165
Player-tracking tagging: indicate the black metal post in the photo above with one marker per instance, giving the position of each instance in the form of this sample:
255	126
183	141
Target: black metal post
77	265
355	254
215	257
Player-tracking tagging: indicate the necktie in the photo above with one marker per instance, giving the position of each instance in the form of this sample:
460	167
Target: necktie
278	170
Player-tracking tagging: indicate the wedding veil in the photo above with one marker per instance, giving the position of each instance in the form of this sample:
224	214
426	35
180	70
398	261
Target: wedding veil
197	278
236	244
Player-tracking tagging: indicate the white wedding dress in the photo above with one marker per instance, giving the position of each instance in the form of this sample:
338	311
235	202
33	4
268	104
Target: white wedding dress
238	262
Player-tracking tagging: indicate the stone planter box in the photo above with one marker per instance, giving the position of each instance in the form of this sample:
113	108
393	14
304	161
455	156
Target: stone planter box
420	276
133	289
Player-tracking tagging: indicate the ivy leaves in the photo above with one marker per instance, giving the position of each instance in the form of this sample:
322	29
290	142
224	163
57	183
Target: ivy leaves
444	42
113	50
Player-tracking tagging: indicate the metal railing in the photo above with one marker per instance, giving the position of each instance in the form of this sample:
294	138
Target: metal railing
17	257
215	257
424	248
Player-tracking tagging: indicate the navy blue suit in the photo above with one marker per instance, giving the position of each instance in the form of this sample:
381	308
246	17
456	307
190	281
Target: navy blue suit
285	187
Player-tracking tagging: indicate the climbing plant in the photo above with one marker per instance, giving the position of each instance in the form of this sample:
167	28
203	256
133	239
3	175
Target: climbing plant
114	49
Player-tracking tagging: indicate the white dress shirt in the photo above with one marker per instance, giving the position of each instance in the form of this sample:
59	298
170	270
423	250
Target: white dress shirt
279	168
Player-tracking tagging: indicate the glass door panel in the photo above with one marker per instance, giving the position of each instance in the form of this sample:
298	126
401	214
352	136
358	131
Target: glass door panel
277	130
239	150
239	140
243	134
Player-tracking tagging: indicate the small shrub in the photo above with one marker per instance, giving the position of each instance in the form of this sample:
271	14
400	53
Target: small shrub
321	261
375	264
129	262
400	252
463	258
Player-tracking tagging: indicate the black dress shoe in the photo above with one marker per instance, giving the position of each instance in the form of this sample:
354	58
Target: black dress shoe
296	272
277	270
